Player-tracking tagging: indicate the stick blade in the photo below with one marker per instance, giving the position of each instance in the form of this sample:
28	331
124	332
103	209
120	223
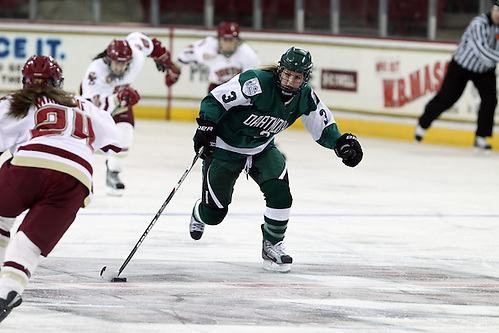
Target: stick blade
110	275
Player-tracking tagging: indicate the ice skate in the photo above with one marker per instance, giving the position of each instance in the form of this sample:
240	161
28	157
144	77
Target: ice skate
275	258
482	145
196	226
115	186
6	305
419	133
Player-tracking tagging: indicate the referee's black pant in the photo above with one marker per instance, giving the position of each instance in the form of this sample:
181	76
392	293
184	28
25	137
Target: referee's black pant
452	88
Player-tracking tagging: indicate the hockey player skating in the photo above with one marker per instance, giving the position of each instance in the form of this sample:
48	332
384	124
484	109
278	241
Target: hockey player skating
52	137
225	56
107	84
236	126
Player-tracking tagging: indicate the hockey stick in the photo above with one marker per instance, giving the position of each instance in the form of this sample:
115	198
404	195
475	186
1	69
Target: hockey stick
119	109
113	276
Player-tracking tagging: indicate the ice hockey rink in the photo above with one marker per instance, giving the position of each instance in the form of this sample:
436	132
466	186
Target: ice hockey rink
408	241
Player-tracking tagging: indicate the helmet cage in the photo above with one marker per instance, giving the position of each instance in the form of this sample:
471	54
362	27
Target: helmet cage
296	60
119	51
42	71
228	30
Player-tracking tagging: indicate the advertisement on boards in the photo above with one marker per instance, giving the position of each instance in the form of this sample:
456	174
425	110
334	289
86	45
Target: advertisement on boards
371	76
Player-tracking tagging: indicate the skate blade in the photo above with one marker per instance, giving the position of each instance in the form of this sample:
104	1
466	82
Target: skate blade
269	265
115	192
481	151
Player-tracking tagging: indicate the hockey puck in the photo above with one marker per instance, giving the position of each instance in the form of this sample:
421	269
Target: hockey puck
118	279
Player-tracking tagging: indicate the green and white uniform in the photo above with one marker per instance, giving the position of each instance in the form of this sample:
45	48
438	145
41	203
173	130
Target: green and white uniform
249	112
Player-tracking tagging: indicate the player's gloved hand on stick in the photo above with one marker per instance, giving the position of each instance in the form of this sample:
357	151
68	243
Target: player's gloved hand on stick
349	150
158	50
128	96
206	135
172	75
163	62
161	56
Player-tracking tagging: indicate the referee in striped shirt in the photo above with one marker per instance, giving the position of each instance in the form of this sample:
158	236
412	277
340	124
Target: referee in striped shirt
474	59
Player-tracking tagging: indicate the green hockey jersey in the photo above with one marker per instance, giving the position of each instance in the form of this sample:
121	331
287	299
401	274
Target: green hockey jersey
249	112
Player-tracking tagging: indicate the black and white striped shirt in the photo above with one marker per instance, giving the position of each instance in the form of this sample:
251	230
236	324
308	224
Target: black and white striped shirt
478	50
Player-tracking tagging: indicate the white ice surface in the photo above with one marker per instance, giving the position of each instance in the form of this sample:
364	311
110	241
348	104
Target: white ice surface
408	241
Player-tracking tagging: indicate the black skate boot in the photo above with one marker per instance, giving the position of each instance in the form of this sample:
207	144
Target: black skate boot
482	145
275	258
196	226
6	305
419	133
114	184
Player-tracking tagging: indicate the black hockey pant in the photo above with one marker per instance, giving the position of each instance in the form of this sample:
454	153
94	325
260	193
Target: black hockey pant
452	88
268	170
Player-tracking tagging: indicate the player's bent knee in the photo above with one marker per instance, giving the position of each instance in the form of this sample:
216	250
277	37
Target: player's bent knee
212	216
277	193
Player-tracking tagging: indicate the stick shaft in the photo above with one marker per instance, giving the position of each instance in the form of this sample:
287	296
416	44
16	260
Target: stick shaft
160	211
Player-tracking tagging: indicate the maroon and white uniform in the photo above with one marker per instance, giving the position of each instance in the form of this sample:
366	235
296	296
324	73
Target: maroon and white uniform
49	175
59	138
101	87
221	68
50	172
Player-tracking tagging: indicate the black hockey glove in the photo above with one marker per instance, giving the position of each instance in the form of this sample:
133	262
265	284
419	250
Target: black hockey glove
349	150
206	135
